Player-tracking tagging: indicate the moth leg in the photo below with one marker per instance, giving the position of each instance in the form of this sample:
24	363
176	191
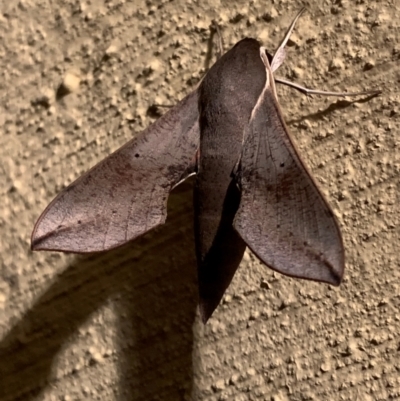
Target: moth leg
307	91
215	30
280	52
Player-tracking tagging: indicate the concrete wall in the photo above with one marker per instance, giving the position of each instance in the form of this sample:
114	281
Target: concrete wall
124	325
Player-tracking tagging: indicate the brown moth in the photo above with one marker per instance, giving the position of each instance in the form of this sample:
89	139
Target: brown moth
252	187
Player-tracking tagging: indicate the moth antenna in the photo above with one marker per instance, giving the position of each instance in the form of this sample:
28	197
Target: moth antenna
308	92
280	55
280	52
216	30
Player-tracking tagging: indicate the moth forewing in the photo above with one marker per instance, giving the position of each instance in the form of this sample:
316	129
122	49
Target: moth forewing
283	217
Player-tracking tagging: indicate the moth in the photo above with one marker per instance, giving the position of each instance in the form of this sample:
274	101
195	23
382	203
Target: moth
251	189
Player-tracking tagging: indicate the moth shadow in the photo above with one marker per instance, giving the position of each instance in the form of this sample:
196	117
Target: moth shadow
338	105
150	285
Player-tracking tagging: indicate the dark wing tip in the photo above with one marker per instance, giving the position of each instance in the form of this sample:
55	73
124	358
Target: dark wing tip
334	270
336	277
39	244
35	241
49	241
206	310
34	245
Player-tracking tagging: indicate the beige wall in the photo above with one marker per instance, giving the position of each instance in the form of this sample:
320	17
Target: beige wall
124	325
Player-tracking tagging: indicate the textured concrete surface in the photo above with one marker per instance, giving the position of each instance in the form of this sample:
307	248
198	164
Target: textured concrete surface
124	325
